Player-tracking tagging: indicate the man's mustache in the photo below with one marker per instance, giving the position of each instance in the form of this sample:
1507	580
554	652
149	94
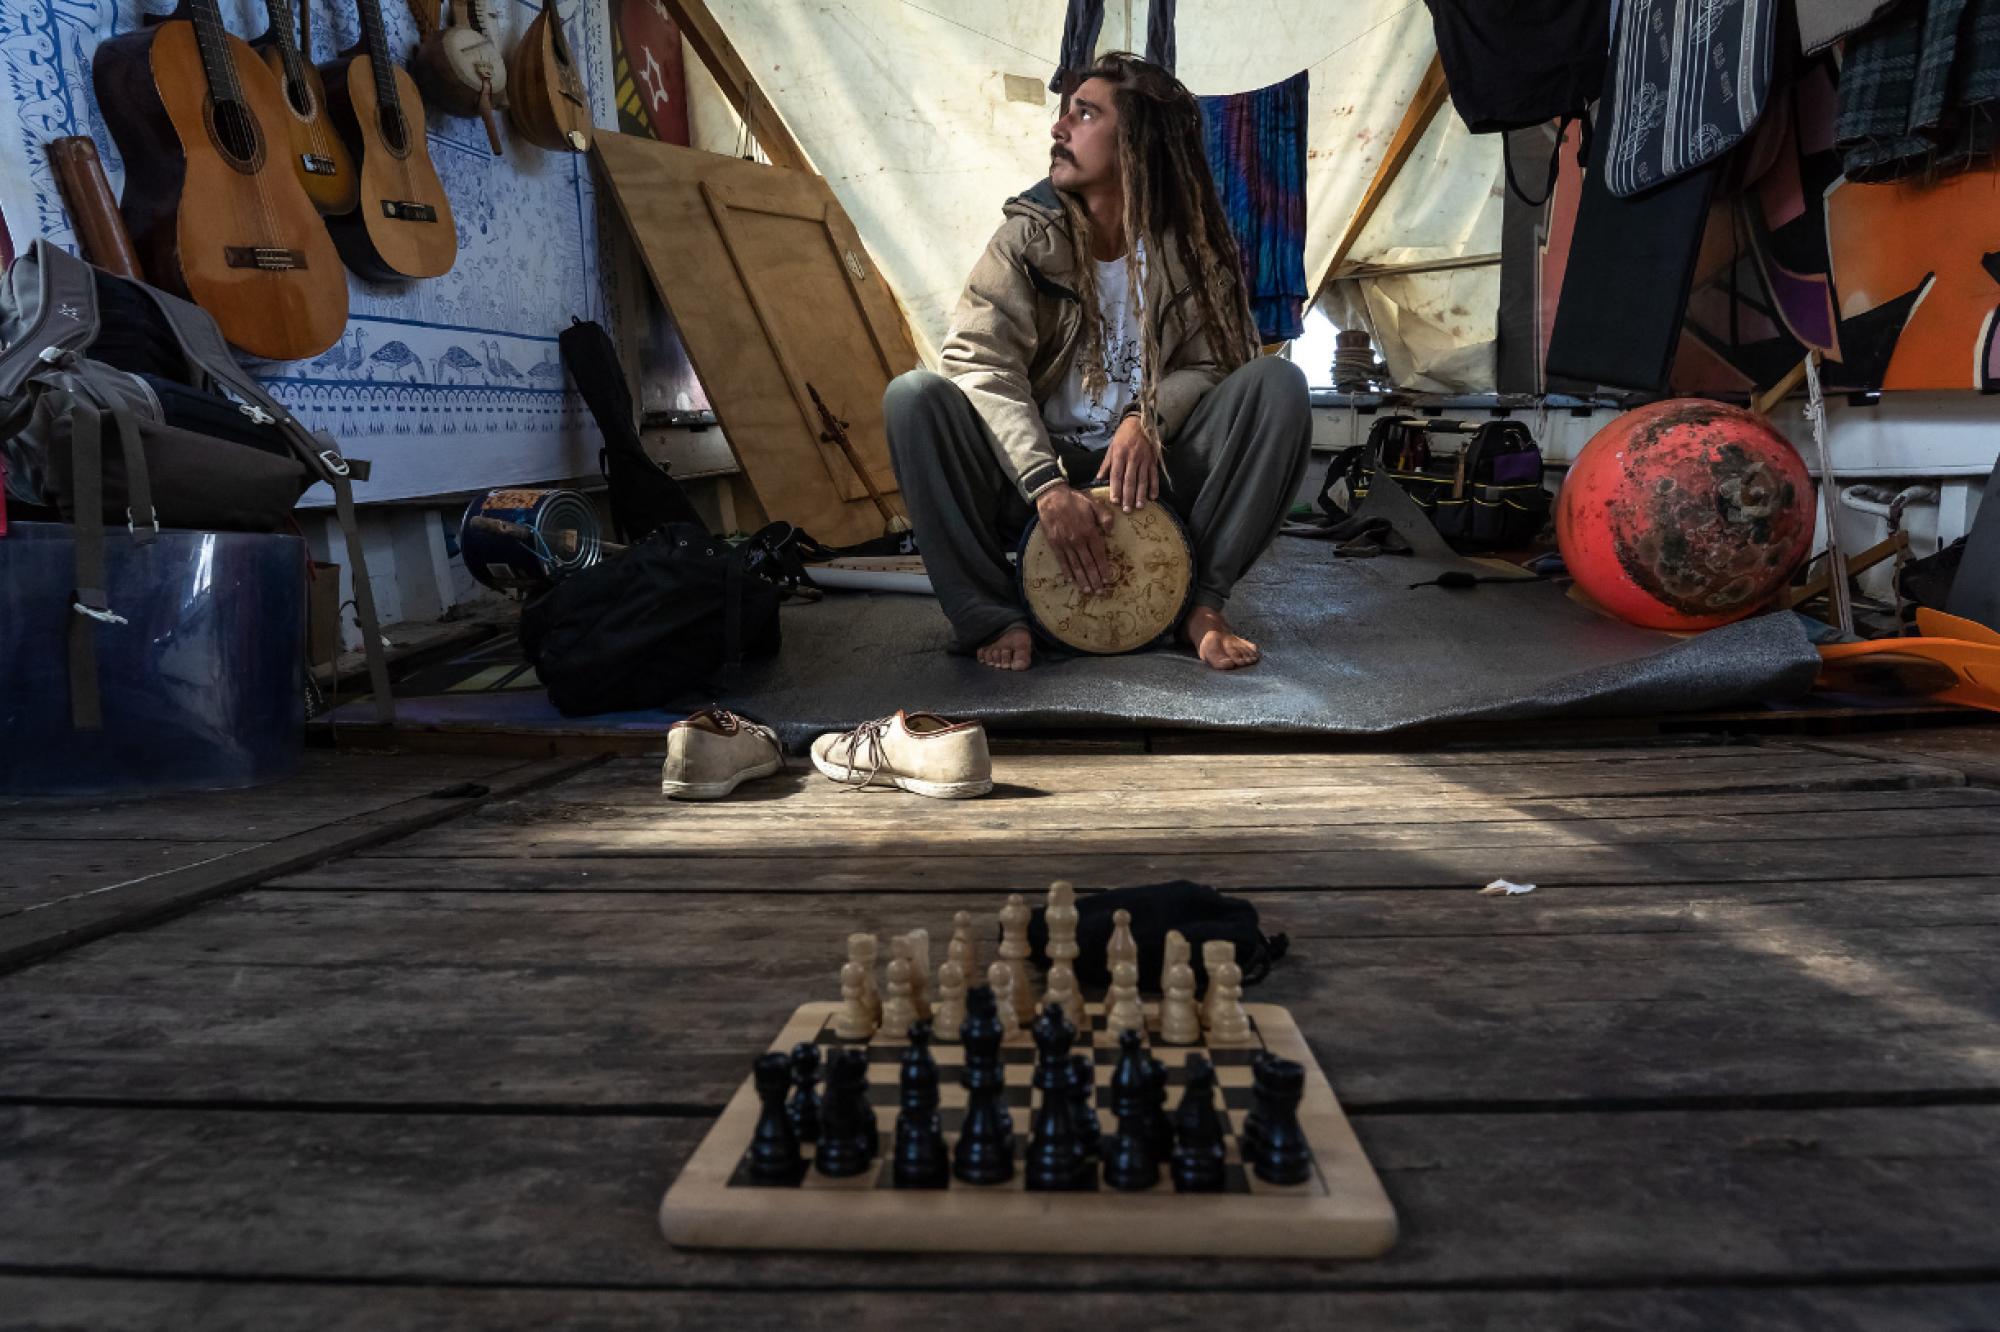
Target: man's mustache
1061	154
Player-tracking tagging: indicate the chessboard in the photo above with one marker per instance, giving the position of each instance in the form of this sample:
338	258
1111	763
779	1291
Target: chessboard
1341	1212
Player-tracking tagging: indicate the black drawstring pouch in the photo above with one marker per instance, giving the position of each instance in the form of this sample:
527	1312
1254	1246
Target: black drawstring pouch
1198	911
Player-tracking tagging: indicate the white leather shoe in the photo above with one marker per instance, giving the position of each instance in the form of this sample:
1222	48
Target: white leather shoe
713	751
920	752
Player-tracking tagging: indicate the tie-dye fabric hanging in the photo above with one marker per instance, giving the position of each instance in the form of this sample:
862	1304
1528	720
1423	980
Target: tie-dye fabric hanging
1257	152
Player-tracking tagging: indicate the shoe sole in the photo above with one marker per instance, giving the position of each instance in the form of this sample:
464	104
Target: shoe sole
914	785
716	790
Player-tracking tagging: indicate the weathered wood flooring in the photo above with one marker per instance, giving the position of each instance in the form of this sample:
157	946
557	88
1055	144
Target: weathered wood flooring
1734	1063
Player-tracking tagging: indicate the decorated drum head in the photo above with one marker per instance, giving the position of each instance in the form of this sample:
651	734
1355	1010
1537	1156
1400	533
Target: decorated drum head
1152	575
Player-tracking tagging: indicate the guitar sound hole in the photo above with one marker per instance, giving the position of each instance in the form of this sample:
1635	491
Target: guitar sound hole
236	131
299	96
395	134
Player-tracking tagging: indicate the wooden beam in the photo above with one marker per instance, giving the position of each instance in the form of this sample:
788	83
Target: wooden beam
1762	403
730	72
1354	270
1424	106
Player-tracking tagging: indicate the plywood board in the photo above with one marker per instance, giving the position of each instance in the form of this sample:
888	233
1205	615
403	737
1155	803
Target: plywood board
773	292
1341	1212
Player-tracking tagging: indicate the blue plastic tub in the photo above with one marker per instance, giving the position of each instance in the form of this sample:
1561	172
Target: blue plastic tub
202	690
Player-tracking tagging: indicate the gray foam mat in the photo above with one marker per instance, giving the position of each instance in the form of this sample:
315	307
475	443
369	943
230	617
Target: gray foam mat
1349	648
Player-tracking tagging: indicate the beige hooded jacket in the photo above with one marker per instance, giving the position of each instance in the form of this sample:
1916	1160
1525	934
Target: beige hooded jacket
1019	322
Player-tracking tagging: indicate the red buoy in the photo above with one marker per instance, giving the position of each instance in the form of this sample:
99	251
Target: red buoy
1685	515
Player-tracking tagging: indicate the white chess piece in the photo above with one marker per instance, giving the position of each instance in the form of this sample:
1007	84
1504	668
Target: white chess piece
1122	946
1122	1009
920	972
1001	977
1014	952
1180	1022
861	952
1061	918
897	1010
853	1022
949	1013
1228	1024
961	934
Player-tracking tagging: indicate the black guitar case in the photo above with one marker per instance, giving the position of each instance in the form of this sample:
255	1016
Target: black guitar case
643	496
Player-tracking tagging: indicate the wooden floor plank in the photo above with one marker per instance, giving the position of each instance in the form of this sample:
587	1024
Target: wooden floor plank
34	871
610	1000
1654	1198
49	1304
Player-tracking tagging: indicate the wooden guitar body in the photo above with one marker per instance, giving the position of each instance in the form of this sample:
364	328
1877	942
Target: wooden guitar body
319	159
546	100
215	210
403	227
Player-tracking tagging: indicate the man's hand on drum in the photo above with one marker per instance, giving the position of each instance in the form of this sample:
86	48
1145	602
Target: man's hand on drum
1075	526
1133	466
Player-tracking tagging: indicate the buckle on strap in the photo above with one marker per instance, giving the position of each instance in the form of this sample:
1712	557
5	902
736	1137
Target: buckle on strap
334	462
256	413
135	531
105	616
53	355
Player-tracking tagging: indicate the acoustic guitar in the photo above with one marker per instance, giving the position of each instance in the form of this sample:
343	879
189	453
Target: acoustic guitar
212	201
317	154
403	226
458	66
547	104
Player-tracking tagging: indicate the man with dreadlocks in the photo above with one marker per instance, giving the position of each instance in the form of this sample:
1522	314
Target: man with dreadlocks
1104	335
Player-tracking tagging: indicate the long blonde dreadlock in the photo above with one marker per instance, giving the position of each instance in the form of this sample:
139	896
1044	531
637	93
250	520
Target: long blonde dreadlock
1170	200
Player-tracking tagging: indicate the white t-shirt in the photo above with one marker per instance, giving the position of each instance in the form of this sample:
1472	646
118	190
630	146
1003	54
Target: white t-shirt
1069	410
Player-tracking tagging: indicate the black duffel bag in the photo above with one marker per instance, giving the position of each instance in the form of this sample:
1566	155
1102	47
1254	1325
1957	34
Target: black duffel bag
651	624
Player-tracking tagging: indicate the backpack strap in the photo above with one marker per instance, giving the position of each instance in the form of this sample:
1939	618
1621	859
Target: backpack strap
208	355
89	605
59	315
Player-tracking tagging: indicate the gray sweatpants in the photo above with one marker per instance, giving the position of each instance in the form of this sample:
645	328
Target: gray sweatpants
1230	475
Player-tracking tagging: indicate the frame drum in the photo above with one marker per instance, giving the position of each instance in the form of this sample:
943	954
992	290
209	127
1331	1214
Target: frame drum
1152	578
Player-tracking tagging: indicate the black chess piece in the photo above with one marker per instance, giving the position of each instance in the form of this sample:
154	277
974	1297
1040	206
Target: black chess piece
1055	1161
847	1121
804	1107
1198	1151
1260	1103
1154	1122
985	1151
1129	1163
1282	1155
774	1148
921	1160
1083	1104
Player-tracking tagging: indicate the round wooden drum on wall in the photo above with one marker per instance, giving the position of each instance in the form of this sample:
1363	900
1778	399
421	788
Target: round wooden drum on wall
1152	576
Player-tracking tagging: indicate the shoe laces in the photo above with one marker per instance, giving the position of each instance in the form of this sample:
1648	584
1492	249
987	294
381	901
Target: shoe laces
872	734
733	721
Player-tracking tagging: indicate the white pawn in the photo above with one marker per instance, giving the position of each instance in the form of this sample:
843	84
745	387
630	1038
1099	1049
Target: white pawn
853	1022
1001	977
1228	1024
861	952
961	934
920	972
1061	917
949	1014
1180	1022
1122	1009
1122	946
1014	950
897	1010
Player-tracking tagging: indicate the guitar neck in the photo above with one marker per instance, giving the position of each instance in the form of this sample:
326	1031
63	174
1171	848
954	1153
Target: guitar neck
280	14
559	43
212	40
376	41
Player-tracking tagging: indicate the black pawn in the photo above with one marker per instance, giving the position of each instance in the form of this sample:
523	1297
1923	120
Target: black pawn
1282	1155
774	1148
1198	1154
1083	1103
804	1108
1129	1163
1260	1103
1055	1161
847	1121
1154	1123
921	1160
985	1151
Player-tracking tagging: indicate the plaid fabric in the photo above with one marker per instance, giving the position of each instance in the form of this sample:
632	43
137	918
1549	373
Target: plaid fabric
1256	145
1978	75
1906	83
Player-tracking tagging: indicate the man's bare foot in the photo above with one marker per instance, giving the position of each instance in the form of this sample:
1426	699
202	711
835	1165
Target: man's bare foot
1215	642
1015	651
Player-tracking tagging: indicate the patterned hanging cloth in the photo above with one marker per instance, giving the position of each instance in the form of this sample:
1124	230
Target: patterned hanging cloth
1907	85
1160	34
1256	145
1688	80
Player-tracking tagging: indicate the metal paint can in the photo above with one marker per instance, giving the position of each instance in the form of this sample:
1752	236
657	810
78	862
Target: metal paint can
517	540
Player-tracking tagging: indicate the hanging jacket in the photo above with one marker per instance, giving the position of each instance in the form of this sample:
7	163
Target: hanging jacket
1019	322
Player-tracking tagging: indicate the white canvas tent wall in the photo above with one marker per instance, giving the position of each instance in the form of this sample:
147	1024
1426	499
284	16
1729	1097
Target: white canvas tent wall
926	116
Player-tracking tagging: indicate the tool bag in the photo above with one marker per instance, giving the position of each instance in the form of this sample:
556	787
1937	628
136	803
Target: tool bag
92	438
670	614
1487	495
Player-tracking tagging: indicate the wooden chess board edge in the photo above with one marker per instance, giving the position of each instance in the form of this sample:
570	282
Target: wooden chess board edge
1354	1219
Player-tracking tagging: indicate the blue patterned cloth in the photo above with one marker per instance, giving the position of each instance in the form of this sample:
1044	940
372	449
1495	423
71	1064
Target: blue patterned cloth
1688	81
1257	152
